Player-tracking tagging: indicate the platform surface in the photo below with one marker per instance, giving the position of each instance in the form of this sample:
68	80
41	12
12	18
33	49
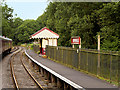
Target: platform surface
82	79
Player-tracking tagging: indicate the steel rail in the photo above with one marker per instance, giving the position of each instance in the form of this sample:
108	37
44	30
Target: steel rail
14	49
33	78
12	69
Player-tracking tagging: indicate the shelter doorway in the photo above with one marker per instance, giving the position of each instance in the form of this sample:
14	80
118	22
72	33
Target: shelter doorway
40	46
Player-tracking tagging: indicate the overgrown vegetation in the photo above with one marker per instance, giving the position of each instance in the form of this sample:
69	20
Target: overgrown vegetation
69	19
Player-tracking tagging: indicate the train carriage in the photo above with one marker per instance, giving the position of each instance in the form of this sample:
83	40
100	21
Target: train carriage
5	45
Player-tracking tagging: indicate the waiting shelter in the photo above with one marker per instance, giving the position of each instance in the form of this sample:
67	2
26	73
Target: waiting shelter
45	37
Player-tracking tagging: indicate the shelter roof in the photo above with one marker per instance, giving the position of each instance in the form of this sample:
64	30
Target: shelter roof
44	33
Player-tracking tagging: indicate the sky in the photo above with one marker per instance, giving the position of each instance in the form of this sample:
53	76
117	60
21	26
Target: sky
28	9
31	9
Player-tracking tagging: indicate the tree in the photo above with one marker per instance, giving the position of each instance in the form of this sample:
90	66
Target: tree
70	19
109	21
6	20
17	22
22	32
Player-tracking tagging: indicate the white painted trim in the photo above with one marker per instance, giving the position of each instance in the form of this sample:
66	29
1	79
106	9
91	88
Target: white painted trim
56	74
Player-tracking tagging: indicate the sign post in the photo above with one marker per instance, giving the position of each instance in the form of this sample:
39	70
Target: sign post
76	40
73	46
80	43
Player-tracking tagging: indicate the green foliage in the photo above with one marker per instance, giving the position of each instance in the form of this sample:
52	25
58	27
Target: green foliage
6	20
16	28
17	22
30	46
70	19
109	20
38	52
85	20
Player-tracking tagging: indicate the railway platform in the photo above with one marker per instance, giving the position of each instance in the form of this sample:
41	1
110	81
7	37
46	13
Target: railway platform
83	80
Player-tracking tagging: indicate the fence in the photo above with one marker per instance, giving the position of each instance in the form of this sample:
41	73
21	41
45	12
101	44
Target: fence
104	64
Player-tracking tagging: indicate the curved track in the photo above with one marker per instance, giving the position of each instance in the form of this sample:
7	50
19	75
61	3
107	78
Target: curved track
22	77
31	75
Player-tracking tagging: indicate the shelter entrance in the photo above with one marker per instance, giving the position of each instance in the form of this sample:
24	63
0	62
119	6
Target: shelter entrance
40	46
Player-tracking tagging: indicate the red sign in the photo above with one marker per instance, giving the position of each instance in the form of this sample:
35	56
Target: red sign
75	40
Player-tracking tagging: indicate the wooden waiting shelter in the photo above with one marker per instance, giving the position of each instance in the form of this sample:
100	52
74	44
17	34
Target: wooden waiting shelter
45	37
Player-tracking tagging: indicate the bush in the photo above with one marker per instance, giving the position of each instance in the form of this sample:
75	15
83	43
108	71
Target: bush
38	52
23	45
19	43
31	46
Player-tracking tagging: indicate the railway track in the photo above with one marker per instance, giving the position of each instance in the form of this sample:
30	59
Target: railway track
30	74
15	49
24	75
21	76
